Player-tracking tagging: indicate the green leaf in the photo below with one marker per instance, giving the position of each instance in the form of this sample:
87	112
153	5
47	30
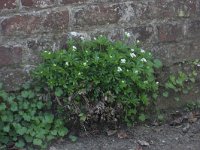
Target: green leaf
50	137
142	117
73	138
192	80
25	94
20	144
59	92
28	138
165	94
160	117
2	106
37	142
4	139
177	99
22	130
48	118
6	128
14	106
62	131
54	132
40	105
155	96
157	63
83	117
185	91
27	117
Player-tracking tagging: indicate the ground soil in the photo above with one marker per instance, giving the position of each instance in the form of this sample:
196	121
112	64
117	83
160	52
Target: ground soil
172	135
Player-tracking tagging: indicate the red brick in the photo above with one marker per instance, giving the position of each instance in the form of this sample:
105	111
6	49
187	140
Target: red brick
20	24
10	55
57	20
169	32
97	15
8	4
37	3
72	1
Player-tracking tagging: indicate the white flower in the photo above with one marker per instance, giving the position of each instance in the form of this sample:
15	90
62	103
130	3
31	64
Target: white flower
145	82
79	73
157	82
198	65
49	53
123	81
142	51
138	41
132	50
67	63
74	48
45	51
127	34
82	38
95	38
54	65
84	64
132	55
74	33
119	69
123	61
143	60
136	71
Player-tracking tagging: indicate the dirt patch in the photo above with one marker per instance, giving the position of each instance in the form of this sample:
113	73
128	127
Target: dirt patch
184	135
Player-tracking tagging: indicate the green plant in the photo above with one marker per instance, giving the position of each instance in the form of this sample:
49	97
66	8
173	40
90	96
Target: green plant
99	78
26	119
195	105
182	82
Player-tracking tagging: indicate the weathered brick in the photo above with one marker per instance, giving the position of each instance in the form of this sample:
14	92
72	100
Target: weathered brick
194	28
57	20
10	55
28	24
8	4
166	9
72	1
37	3
20	24
176	8
169	32
144	11
172	53
186	8
96	15
141	33
12	78
112	33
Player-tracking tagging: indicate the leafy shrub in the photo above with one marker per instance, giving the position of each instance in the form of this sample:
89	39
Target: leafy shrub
99	80
26	119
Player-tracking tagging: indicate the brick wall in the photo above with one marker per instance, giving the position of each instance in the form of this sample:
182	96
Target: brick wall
170	28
